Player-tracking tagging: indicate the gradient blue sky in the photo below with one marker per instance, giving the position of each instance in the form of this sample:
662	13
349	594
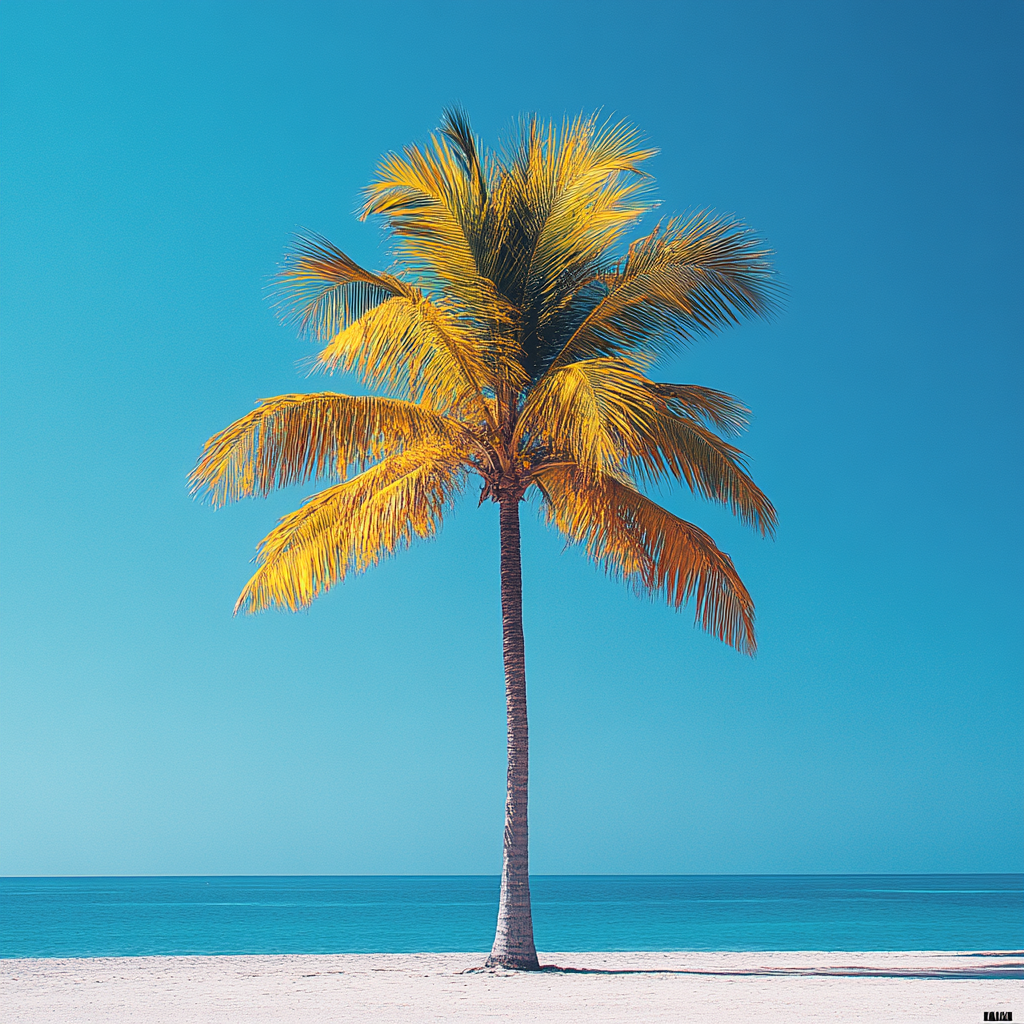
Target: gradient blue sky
156	158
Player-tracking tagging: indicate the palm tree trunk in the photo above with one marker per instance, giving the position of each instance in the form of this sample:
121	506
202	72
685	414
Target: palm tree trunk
513	940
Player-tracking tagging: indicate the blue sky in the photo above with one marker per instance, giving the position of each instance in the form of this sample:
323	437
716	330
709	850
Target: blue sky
156	158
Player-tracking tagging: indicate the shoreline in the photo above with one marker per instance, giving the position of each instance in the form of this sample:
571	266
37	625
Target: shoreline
415	988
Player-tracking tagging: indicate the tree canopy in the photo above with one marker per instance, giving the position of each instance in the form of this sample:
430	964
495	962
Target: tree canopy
514	341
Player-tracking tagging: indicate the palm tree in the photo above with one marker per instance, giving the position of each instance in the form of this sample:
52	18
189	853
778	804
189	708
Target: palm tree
512	342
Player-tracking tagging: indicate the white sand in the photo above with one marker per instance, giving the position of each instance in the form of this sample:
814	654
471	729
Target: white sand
414	989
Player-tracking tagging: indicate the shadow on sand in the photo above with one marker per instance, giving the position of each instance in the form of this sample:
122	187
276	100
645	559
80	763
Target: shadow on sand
1014	970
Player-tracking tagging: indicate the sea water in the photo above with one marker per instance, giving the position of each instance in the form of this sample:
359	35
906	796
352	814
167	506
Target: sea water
77	917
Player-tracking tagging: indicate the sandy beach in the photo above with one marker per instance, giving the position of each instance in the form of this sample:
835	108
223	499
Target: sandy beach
599	987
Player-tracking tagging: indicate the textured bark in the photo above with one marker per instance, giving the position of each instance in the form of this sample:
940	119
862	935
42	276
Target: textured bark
513	941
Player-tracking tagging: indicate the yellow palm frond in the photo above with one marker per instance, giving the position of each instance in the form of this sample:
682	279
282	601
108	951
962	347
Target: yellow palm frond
568	196
352	526
680	447
596	411
433	199
293	438
322	291
603	413
686	278
411	346
638	541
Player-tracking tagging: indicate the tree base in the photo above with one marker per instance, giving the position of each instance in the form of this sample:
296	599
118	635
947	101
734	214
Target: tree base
510	962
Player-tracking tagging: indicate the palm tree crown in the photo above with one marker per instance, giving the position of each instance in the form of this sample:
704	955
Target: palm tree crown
512	342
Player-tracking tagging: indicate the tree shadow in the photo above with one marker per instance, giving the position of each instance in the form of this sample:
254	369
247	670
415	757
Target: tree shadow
1010	971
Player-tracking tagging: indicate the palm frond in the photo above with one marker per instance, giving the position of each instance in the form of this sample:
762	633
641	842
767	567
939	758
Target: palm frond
680	447
569	196
596	411
412	346
321	291
353	525
715	408
294	438
603	413
685	279
433	201
638	541
456	128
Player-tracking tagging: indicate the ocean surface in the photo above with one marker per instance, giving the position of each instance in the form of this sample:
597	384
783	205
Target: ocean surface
48	917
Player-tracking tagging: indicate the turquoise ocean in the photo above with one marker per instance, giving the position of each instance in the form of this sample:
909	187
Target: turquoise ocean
79	917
